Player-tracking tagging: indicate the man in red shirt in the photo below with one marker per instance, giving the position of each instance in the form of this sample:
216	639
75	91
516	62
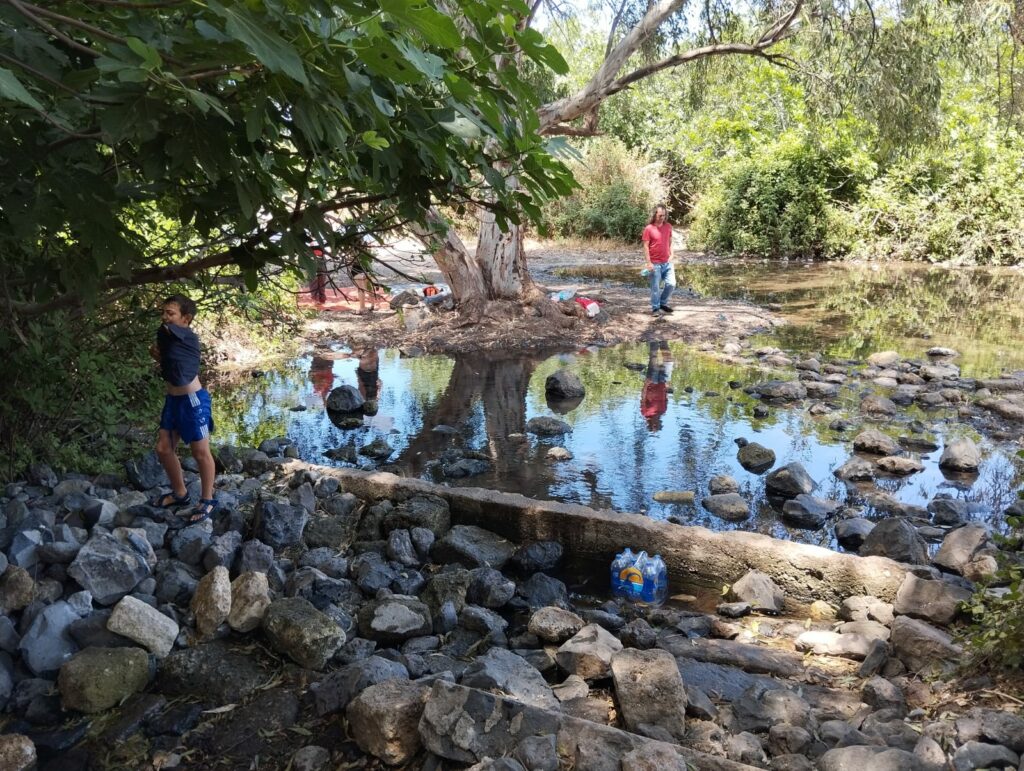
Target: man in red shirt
654	396
657	240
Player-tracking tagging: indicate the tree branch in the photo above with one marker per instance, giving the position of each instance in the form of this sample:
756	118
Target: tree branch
20	8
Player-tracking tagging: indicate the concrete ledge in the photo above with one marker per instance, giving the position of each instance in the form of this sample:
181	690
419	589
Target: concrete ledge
692	554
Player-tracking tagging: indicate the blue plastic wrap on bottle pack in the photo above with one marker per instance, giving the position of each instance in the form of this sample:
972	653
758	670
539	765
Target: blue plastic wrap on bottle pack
639	578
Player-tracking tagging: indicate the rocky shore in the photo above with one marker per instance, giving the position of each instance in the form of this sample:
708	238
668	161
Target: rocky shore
328	620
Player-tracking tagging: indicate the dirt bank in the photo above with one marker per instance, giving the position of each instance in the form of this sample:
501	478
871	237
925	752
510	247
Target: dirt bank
503	326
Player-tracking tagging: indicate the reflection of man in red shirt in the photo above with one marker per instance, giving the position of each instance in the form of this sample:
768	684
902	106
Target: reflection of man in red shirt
654	397
321	375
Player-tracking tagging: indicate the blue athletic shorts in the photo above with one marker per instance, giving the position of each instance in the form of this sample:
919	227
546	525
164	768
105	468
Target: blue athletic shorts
190	415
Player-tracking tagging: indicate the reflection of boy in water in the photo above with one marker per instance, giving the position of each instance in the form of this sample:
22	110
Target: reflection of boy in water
321	375
367	375
654	397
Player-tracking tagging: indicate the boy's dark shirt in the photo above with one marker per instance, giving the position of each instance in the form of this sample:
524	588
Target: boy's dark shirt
179	354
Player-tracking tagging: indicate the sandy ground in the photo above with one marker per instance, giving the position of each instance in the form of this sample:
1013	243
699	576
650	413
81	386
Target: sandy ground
625	313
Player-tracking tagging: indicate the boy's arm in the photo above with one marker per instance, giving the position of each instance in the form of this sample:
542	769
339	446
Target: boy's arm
647	251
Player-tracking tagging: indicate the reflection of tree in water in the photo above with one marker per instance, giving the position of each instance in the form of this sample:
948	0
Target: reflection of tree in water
486	395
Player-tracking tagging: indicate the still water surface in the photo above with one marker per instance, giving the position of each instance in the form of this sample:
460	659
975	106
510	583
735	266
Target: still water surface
626	447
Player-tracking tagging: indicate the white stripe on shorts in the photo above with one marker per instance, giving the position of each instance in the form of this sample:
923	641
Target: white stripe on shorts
193	398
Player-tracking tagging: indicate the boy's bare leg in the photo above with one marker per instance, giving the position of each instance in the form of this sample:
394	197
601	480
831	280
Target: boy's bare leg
360	282
207	467
165	445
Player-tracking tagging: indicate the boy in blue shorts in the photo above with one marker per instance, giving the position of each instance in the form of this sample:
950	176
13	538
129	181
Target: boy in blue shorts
187	412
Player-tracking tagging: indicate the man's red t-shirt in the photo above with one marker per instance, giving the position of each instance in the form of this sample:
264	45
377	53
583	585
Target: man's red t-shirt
659	241
653	399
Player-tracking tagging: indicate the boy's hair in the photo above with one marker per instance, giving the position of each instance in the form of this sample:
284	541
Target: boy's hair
186	305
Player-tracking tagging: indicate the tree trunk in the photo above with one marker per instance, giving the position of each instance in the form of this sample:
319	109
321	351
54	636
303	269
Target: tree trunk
502	260
461	272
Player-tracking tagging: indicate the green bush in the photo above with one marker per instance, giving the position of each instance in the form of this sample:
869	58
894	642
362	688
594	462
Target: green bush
996	636
965	207
775	203
618	190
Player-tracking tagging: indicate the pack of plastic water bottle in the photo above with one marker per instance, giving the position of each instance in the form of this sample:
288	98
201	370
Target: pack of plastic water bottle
639	578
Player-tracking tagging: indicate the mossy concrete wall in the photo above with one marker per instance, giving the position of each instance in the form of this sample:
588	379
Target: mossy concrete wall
693	554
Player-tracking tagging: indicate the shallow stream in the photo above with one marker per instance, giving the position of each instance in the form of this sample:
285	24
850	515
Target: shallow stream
626	447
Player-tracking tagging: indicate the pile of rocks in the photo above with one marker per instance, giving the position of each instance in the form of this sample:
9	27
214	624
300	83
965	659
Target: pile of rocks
437	643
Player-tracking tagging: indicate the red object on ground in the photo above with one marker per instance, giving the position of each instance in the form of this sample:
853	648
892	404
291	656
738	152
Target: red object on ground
341	299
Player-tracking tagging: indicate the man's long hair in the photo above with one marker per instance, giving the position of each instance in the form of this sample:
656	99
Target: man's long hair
654	214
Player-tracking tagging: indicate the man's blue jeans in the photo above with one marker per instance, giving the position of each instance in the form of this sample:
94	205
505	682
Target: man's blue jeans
663	282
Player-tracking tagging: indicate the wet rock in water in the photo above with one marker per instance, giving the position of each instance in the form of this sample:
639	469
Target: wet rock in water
789	481
649	691
876	405
97	679
108	568
960	546
383	720
938	351
559	454
884	359
502	670
809	512
935	601
896	539
899	466
294	627
960	455
923	648
564	384
761	411
394	619
755	458
345	398
949	511
588	653
547	426
278	525
250	598
817	390
144	624
783	390
555	624
874	442
211	603
723	483
850	533
473	546
856	470
674	496
537	556
728	506
378	449
760	591
464	467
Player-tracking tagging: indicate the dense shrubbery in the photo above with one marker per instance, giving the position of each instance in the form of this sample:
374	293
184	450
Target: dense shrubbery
618	190
965	208
775	203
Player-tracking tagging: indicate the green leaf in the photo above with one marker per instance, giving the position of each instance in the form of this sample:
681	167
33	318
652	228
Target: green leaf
436	28
461	127
12	90
270	48
371	139
151	58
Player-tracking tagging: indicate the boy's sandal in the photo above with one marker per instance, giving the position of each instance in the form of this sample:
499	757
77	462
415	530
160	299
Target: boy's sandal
202	511
170	501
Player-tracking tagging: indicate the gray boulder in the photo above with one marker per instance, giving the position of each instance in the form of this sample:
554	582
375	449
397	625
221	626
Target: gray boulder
727	506
297	629
547	426
896	539
474	547
850	533
47	643
922	648
564	384
755	458
876	406
428	512
991	725
97	679
873	757
960	546
935	601
874	442
537	556
345	398
950	511
588	653
960	455
489	588
384	718
108	568
279	525
393	619
649	691
212	672
760	591
789	481
554	624
336	691
809	512
145	472
782	390
502	670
